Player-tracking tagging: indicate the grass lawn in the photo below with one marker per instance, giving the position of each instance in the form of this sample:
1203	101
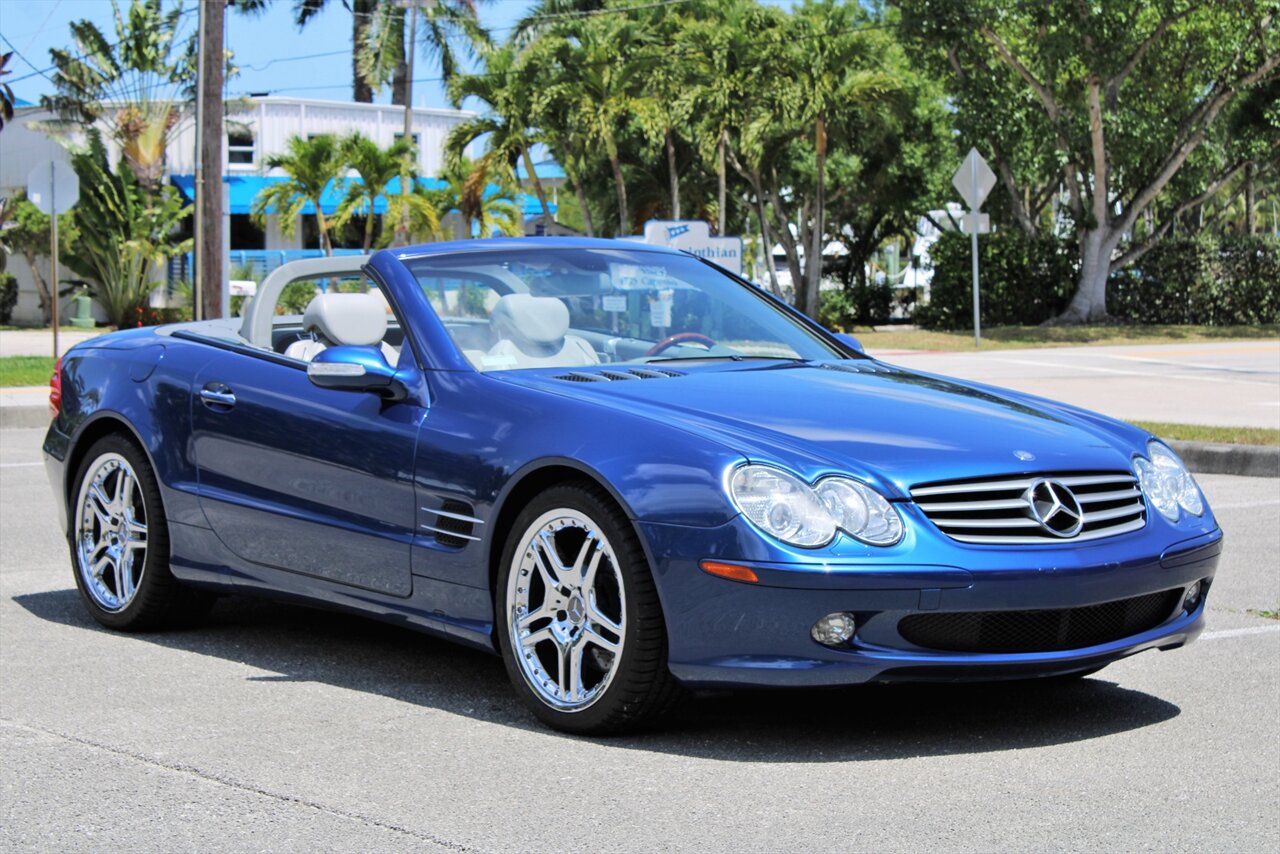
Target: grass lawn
1011	337
1219	435
25	370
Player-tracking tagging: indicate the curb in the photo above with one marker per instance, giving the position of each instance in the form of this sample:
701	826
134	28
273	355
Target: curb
1200	457
24	416
1247	460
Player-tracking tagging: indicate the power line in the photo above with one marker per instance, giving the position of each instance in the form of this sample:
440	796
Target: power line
42	72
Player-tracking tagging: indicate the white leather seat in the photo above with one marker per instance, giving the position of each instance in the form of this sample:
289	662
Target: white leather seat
531	333
357	320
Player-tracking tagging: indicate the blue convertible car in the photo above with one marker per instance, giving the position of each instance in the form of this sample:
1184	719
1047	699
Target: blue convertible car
625	471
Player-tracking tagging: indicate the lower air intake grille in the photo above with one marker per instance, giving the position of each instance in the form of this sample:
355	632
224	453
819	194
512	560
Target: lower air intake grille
1039	631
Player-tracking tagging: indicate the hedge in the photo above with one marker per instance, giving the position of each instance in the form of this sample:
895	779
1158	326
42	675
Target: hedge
1027	280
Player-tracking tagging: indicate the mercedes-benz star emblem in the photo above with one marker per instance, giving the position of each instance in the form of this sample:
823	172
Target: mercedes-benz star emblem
1055	507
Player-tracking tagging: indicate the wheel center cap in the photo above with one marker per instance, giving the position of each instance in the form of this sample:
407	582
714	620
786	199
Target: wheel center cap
576	609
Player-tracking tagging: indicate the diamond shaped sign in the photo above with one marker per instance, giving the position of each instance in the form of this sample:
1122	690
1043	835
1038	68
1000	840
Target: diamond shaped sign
974	180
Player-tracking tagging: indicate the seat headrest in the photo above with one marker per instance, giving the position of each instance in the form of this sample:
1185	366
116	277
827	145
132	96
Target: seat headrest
526	319
352	319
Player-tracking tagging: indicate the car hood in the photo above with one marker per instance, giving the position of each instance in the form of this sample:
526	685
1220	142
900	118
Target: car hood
860	417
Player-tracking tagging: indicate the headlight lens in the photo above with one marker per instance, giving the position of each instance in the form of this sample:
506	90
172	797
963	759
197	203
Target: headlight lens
860	511
1167	483
788	509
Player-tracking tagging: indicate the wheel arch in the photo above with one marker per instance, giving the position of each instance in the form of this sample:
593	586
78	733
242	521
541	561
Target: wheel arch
98	426
533	479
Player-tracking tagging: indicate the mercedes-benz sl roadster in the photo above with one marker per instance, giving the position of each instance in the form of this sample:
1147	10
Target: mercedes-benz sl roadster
623	470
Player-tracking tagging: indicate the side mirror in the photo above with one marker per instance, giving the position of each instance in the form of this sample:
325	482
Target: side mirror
355	369
849	341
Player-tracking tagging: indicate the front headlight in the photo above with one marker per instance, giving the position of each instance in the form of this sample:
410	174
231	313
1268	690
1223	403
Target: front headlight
1167	483
788	509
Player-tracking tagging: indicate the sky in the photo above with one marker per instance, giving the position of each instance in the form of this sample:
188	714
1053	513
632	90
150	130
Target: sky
271	52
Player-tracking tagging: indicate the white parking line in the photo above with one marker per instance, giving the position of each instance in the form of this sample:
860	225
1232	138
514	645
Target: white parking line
1235	633
1245	505
18	465
1197	365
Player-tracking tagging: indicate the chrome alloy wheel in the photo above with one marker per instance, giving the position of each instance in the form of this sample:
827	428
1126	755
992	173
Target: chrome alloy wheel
566	610
111	532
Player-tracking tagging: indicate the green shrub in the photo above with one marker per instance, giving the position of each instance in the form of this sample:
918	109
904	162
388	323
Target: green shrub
8	296
1202	280
1024	280
866	305
294	297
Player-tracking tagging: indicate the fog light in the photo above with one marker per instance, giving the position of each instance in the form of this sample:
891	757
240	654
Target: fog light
1192	600
834	629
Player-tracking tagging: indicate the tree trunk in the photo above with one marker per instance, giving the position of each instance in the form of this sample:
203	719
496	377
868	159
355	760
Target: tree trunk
322	225
586	209
722	197
789	248
1089	305
624	216
361	12
537	184
400	85
675	178
813	263
1250	200
42	290
211	212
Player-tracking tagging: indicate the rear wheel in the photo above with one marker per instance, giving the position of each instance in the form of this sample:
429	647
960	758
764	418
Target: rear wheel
579	623
120	542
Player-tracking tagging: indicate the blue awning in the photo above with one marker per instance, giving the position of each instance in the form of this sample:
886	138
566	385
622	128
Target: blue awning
245	188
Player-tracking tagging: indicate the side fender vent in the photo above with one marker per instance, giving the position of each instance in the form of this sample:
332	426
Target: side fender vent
453	523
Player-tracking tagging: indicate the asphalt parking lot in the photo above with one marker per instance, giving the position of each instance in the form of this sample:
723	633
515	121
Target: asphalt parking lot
1231	384
278	728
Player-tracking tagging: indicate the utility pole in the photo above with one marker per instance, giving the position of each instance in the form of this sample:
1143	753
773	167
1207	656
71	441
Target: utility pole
209	221
406	174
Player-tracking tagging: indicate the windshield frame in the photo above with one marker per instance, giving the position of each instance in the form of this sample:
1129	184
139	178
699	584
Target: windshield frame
413	263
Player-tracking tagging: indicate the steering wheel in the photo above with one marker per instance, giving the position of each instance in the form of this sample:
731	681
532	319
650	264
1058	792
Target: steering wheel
681	338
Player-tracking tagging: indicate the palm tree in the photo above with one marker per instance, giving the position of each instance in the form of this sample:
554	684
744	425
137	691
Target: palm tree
134	85
382	54
825	48
504	88
376	167
362	13
482	192
602	69
310	164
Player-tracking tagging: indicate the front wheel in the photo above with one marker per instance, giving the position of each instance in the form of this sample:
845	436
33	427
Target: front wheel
120	542
578	619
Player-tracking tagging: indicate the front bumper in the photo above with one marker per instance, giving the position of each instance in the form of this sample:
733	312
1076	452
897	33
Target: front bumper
724	632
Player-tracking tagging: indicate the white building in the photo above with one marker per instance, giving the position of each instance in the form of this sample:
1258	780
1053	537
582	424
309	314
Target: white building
258	129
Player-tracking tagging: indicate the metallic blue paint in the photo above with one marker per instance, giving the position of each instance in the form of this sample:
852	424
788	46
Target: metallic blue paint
326	496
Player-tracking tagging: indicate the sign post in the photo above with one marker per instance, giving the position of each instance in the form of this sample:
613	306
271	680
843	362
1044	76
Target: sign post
974	180
54	189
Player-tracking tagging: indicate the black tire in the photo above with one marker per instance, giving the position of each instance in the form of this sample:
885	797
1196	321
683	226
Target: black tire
160	600
640	688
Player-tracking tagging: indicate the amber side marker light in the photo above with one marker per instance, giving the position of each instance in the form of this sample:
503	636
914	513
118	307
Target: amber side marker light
731	571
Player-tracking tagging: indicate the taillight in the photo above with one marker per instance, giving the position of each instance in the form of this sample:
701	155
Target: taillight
55	389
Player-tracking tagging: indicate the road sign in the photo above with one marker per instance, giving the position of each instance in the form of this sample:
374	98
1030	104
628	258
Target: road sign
54	189
53	184
974	180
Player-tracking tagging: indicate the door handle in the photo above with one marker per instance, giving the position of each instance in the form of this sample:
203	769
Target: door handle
217	396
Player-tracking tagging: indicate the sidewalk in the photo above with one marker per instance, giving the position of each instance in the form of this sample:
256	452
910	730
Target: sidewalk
39	342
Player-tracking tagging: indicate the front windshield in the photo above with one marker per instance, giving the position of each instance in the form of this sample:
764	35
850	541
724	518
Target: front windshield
570	308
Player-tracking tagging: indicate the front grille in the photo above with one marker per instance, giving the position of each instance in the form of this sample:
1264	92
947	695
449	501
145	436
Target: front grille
1039	631
996	511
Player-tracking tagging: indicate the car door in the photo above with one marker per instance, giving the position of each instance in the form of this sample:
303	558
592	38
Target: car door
299	478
